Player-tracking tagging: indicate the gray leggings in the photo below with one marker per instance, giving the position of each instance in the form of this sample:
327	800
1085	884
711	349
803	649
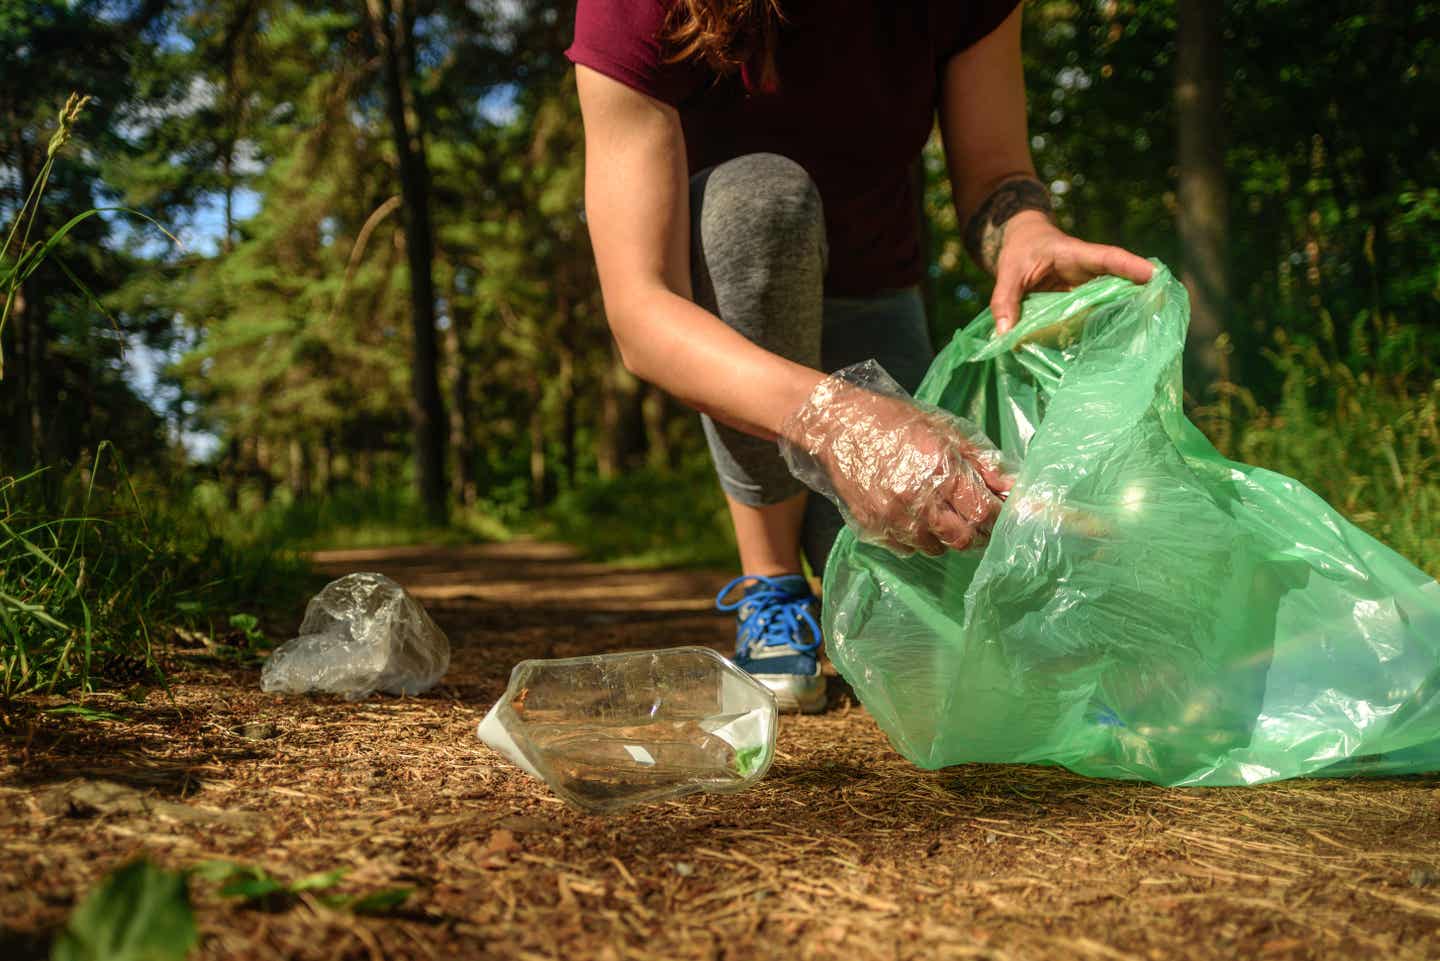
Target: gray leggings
757	260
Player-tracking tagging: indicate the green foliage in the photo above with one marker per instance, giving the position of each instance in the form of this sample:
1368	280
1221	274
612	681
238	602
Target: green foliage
259	888
648	518
249	626
1328	164
347	517
92	581
1363	432
277	357
139	913
83	712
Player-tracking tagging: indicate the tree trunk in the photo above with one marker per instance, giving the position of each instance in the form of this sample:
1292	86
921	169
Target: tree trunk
571	425
267	476
1377	160
297	468
390	23
607	450
537	453
33	333
656	408
19	372
1199	90
227	243
568	414
37	400
231	472
324	482
462	441
621	441
364	472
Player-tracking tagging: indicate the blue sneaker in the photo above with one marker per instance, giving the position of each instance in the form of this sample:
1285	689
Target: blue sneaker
777	638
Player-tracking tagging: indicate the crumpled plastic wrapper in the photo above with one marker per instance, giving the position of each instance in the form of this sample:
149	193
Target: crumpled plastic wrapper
905	475
362	633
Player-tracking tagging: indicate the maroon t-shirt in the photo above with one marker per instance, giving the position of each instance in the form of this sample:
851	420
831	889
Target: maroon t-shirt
859	83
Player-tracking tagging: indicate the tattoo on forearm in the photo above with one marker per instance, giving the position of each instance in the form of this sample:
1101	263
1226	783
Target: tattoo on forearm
985	232
992	237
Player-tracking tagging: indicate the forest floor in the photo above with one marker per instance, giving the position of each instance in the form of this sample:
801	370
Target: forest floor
844	851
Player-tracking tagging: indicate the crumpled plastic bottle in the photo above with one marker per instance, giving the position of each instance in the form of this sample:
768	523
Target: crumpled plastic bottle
362	633
611	731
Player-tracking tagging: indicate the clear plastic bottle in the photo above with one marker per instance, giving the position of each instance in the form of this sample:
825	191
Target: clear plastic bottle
611	731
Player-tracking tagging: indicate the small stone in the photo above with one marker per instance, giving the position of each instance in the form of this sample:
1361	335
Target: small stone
683	869
525	824
1423	877
991	837
501	842
497	850
258	730
1281	946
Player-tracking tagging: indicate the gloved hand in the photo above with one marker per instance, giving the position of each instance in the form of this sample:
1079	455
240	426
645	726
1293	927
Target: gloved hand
905	475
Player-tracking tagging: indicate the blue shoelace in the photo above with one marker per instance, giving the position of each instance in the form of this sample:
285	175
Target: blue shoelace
776	617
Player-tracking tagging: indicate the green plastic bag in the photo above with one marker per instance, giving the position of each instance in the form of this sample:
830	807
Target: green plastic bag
1145	608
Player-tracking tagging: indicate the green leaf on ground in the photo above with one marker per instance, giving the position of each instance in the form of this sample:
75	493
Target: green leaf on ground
139	913
216	870
249	625
258	885
240	880
253	888
89	713
376	902
320	881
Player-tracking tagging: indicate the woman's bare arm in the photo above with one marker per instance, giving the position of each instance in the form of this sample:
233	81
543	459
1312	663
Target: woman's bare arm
982	118
987	149
637	204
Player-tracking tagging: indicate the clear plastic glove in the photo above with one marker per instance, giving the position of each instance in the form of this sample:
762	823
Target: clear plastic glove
905	475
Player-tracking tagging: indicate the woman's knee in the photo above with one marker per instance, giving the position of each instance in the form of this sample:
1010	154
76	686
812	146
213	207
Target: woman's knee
762	201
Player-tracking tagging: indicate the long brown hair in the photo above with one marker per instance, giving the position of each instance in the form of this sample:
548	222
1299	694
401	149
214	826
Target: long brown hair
727	35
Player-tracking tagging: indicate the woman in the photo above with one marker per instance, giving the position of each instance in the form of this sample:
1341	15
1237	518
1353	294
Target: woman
751	196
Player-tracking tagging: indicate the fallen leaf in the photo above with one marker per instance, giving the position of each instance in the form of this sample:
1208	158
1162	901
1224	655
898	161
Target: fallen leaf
524	824
139	913
1281	945
502	841
497	850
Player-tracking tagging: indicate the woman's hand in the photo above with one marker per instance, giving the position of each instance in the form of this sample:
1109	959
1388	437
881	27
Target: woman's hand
1037	255
905	475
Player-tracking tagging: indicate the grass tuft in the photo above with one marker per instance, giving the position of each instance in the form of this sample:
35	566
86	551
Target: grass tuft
347	517
647	519
92	583
1362	431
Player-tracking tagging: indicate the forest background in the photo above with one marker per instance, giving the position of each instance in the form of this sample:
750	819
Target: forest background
371	316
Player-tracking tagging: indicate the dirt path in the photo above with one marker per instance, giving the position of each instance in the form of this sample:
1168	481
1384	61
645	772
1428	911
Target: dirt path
845	851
